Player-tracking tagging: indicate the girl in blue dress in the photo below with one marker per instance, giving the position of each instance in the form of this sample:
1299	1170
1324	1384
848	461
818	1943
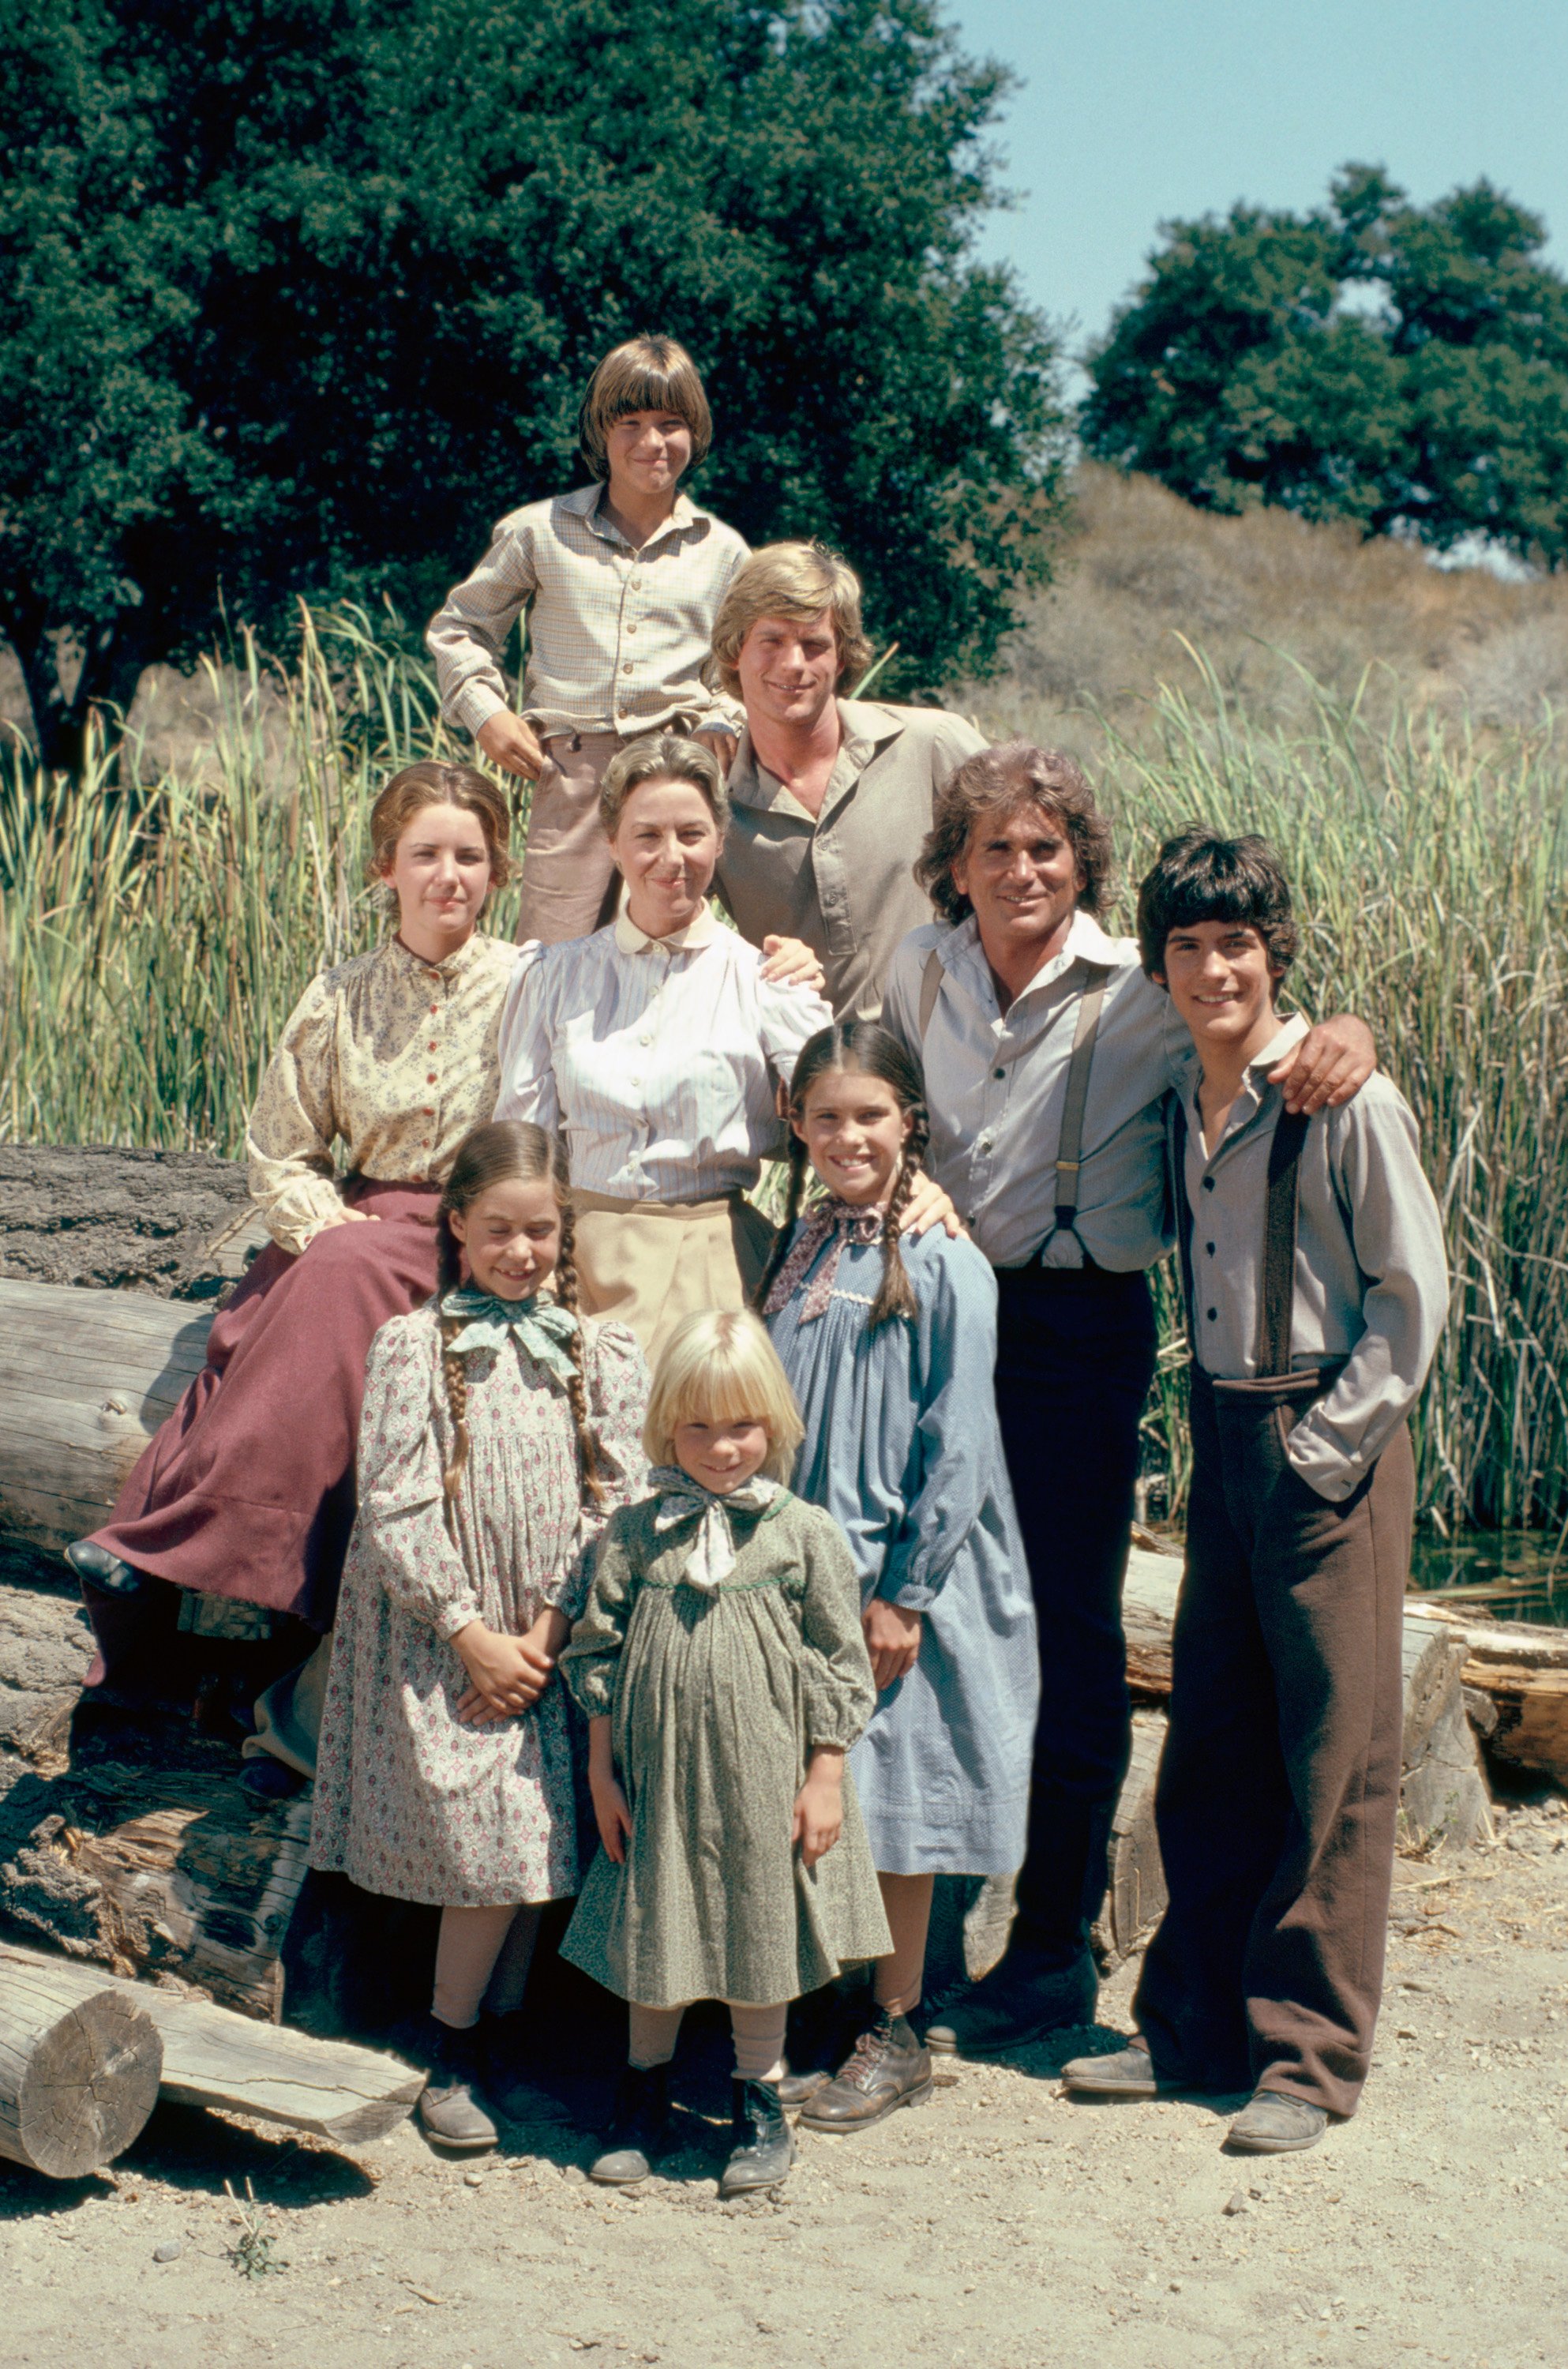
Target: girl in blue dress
890	1347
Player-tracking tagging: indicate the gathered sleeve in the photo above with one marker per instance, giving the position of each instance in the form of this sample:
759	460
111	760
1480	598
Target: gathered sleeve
294	1124
957	1444
401	1540
786	1017
1396	1228
591	1661
617	1406
528	1077
468	636
838	1695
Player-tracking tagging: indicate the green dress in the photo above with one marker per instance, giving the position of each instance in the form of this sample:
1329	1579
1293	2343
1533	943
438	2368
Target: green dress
717	1696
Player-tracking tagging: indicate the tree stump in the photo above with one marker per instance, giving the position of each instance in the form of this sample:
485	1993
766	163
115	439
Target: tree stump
78	2075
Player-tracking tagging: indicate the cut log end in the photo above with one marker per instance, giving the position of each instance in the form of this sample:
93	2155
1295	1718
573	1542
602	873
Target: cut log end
75	2086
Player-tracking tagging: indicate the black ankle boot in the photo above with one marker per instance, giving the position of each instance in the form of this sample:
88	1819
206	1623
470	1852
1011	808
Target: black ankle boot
639	2132
101	1569
764	2144
450	2108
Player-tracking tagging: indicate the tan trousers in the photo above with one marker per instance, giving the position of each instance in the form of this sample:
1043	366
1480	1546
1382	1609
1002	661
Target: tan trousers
569	881
648	1263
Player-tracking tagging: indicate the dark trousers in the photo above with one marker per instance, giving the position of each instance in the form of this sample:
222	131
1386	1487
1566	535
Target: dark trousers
1279	1786
1075	1355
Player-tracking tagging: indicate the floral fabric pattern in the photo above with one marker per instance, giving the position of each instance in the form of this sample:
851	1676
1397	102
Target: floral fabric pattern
395	1058
408	1802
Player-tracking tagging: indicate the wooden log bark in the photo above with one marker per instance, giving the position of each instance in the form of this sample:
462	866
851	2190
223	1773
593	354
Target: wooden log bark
86	1379
211	2057
80	2062
147	1869
1521	1670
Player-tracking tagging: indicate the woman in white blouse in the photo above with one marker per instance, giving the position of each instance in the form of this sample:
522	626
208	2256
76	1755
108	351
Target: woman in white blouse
657	1045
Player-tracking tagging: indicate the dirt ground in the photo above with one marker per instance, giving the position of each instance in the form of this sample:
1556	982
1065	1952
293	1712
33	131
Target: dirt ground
1000	2227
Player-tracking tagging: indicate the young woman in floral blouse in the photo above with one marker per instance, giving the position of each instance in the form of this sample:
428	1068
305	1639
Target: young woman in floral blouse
248	1490
499	1431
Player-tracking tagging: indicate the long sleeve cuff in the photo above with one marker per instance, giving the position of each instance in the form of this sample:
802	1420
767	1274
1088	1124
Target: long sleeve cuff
471	706
1322	1463
591	1682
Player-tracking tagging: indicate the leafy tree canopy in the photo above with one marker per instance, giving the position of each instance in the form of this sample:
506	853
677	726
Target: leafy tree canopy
296	296
1400	366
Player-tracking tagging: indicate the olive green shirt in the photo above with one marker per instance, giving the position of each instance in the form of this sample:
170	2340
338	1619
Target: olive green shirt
843	879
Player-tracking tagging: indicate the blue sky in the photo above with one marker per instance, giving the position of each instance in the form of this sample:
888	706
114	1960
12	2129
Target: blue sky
1136	110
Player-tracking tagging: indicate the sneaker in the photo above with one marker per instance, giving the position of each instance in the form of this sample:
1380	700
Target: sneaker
1276	2123
639	2130
887	2067
1126	2073
1017	2002
450	2111
764	2144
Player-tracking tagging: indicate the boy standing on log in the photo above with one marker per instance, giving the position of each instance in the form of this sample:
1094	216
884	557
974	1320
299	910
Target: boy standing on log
1316	1288
622	582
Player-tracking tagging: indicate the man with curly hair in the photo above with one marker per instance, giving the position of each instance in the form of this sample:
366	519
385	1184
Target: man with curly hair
1048	1054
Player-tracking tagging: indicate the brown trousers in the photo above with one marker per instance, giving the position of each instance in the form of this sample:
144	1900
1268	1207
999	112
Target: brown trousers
569	881
1279	1786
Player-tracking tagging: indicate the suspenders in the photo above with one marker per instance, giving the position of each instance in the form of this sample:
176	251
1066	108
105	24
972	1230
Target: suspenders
1272	1350
1069	1149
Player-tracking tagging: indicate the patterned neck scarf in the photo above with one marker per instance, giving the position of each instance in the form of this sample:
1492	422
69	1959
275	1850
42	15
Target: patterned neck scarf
712	1557
836	1223
543	1326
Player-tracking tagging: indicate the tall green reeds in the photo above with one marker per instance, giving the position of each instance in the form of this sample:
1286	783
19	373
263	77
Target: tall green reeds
150	948
1431	874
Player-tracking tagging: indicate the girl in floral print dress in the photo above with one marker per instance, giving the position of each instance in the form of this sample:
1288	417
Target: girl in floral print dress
499	1431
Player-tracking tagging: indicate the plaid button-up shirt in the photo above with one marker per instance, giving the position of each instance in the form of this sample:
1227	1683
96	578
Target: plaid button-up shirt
617	637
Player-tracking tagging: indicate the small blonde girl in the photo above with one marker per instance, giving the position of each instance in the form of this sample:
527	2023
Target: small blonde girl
499	1430
721	1665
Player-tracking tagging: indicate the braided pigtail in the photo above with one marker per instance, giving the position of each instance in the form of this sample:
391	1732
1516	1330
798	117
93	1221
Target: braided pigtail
896	1297
455	1374
576	1389
780	1251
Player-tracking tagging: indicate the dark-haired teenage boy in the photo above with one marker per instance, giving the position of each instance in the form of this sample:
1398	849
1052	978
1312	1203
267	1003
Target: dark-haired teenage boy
1316	1292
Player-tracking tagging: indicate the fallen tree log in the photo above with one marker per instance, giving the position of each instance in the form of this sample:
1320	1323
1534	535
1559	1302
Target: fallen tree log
211	2057
1519	1674
80	2063
143	1868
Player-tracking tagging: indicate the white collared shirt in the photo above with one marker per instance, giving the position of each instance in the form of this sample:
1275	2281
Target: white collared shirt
655	1056
618	635
1371	1278
996	1086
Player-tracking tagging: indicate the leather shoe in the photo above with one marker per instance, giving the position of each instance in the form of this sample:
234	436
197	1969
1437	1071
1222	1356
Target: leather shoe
450	2111
639	2132
1277	2123
887	2067
1126	2073
1016	2003
101	1569
796	2087
764	2144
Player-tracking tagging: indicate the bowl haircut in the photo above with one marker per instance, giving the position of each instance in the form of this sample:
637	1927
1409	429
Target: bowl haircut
645	375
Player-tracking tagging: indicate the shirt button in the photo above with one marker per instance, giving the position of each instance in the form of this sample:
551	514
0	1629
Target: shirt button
627	668
433	1046
434	1009
999	1074
1209	1183
429	1110
430	1079
635	582
631	629
1213	1315
1209	1248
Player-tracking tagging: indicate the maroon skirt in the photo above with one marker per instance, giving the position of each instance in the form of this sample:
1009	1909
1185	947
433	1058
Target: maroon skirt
247	1490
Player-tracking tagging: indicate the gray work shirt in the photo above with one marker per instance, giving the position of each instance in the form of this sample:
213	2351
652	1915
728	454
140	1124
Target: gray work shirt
996	1084
1371	1278
842	879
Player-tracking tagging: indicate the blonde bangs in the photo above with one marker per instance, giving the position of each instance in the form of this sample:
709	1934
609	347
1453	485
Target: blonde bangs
720	1367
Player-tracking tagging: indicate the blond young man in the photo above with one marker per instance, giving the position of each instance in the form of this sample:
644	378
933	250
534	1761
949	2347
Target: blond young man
621	581
830	797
